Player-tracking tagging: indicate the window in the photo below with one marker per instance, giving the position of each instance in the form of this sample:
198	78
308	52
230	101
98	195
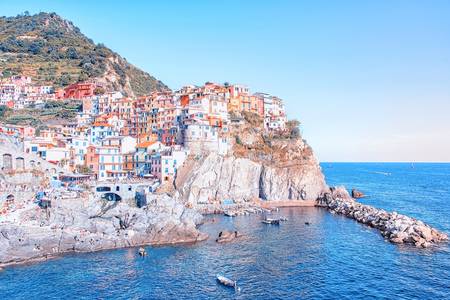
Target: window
117	188
129	187
103	188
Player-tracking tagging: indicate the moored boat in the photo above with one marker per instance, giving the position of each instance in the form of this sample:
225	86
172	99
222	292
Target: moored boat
271	221
226	281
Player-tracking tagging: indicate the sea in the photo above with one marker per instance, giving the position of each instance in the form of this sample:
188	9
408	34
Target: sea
331	258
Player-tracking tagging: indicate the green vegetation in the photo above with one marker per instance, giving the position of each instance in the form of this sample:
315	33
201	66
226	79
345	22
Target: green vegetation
54	51
293	128
51	112
252	118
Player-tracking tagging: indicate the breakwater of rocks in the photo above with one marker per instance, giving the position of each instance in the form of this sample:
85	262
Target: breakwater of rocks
396	228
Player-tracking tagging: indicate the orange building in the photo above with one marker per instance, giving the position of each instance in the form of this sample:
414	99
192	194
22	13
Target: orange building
92	159
128	163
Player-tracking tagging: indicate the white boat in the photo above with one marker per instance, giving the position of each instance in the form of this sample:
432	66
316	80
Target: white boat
271	221
226	281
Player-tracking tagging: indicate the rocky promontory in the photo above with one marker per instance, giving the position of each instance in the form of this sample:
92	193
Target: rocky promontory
87	224
396	228
261	166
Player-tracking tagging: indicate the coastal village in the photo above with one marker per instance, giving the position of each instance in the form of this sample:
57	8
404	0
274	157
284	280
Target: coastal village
133	171
116	137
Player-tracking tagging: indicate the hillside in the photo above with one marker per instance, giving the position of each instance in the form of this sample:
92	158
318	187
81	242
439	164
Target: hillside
50	113
54	51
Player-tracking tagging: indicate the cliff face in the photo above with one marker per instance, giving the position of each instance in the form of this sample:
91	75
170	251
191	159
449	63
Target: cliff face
261	166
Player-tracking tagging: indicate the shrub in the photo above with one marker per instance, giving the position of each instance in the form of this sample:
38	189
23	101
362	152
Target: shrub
71	53
3	110
293	128
252	118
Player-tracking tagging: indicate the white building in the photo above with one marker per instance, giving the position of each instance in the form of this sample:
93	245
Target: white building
126	144
100	130
164	165
79	146
274	113
110	163
58	155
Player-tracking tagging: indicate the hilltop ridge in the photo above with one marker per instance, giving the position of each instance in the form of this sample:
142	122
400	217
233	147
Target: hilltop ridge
54	51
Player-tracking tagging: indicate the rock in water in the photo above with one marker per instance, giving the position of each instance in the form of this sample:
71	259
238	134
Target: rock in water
227	236
357	194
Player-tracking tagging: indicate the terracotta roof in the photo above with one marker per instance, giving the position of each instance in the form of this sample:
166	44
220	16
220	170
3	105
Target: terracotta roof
97	124
145	144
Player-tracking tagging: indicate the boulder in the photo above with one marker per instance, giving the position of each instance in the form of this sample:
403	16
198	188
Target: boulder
357	194
227	236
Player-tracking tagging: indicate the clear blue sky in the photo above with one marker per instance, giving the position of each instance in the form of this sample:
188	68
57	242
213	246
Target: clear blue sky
369	80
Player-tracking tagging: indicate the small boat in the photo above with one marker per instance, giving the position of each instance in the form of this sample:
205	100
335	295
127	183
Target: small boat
229	214
226	281
142	252
271	221
307	223
284	219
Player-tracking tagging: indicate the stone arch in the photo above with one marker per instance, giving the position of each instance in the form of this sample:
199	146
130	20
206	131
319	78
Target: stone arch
32	163
20	163
7	161
10	199
53	171
111	197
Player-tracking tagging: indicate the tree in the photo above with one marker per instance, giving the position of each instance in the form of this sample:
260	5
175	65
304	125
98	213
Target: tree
99	91
3	110
71	53
83	169
35	47
64	79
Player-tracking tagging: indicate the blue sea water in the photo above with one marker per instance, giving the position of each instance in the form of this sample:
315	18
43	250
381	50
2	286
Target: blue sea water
333	258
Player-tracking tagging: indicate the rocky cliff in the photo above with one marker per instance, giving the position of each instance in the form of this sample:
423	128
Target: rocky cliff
85	225
261	166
